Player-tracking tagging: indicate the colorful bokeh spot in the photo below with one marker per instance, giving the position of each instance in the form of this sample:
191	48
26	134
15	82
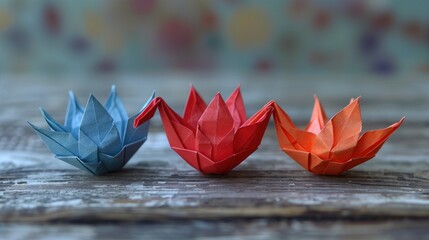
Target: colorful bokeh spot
250	27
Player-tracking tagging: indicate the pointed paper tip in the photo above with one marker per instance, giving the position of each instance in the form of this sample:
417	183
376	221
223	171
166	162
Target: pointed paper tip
72	96
217	98
113	92
316	98
148	101
237	90
269	106
192	91
92	99
148	111
353	100
152	96
73	100
317	102
32	125
270	103
43	112
275	106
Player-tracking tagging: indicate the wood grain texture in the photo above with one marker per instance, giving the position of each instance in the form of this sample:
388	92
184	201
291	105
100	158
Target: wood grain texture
253	229
268	196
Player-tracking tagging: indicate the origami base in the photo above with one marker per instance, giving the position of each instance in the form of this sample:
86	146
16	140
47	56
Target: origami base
107	163
319	166
207	166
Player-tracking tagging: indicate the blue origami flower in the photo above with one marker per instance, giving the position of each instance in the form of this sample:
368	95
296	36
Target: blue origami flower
96	139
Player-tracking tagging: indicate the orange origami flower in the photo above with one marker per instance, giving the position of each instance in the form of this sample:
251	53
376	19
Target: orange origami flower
215	138
330	147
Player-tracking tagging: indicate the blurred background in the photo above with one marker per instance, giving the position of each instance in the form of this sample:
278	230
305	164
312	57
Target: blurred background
300	37
285	50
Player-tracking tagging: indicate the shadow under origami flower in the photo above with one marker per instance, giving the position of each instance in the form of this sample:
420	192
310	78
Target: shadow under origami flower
215	138
330	147
96	139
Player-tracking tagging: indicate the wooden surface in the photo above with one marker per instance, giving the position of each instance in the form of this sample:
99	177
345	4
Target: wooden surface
268	196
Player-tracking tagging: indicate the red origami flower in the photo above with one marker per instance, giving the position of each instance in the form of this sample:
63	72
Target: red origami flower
215	138
330	147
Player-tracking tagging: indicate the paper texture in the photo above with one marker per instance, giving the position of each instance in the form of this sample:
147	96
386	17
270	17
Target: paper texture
330	147
97	139
212	138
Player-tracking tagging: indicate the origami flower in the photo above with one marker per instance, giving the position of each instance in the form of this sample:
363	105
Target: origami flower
96	139
215	138
330	147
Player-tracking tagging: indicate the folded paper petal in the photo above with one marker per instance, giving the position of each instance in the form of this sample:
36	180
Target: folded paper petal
54	125
347	127
59	143
111	143
179	133
250	134
236	107
372	141
194	107
215	138
216	128
116	110
330	147
135	134
318	118
96	121
98	139
338	138
73	115
288	134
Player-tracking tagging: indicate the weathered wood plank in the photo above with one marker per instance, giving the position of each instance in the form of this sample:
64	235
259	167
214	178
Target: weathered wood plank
158	198
158	185
268	196
239	229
